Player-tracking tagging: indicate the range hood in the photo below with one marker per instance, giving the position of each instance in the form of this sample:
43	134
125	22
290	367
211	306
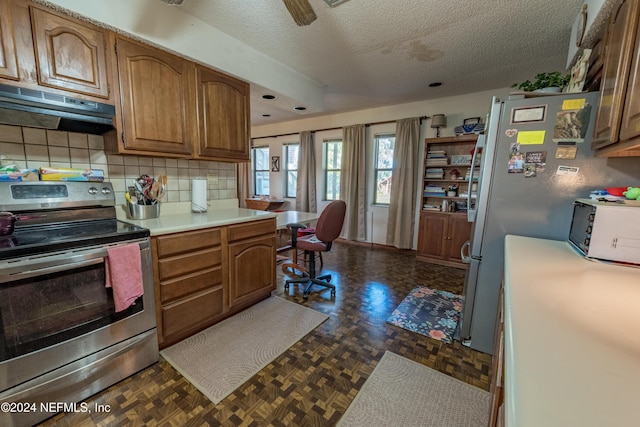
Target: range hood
34	108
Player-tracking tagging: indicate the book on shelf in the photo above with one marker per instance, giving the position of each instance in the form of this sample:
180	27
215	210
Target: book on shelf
428	207
434	173
437	158
433	190
476	173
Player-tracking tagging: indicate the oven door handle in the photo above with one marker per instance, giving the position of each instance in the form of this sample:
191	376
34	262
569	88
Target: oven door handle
57	262
47	270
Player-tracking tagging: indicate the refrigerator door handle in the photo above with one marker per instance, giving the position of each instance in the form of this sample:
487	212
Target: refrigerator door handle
471	212
464	252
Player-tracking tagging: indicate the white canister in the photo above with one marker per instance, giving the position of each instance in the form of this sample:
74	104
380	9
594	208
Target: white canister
198	195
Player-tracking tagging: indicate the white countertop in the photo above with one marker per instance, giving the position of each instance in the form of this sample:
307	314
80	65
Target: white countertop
572	338
177	217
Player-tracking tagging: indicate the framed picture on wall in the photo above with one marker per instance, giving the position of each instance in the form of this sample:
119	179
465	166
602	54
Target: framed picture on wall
275	163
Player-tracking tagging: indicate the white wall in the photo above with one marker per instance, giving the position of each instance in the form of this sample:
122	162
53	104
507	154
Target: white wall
456	109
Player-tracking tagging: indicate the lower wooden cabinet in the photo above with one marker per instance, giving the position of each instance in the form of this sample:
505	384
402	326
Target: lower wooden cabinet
204	276
252	266
441	236
496	416
189	282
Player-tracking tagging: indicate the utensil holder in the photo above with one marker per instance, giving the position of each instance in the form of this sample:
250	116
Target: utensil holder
135	211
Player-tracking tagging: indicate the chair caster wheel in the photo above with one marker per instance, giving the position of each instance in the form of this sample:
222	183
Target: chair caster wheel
328	279
286	286
305	296
333	292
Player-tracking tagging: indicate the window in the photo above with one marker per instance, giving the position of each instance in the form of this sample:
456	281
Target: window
383	169
260	170
291	169
332	160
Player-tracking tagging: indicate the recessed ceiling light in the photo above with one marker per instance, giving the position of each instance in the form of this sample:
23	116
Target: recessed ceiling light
299	108
268	97
435	84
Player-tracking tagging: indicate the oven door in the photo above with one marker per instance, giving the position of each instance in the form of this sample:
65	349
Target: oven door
55	309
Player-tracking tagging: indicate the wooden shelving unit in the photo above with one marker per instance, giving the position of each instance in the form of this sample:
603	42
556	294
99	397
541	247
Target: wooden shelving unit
444	229
451	148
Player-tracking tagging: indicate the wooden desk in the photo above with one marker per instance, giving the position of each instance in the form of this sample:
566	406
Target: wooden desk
290	217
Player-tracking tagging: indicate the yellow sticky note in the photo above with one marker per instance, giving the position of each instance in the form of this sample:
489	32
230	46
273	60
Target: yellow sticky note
573	104
531	137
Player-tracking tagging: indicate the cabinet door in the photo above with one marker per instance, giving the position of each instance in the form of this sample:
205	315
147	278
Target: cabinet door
620	35
432	235
70	55
158	104
458	232
630	127
223	112
8	58
252	268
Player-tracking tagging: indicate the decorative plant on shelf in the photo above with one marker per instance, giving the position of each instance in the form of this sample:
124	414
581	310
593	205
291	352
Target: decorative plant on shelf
543	81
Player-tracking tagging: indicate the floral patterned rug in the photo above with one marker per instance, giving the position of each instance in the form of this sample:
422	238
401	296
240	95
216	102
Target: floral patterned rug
430	312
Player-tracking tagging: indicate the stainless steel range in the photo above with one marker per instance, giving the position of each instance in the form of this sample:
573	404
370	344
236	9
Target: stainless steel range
61	338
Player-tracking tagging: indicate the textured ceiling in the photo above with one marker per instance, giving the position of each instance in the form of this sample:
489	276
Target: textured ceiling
372	53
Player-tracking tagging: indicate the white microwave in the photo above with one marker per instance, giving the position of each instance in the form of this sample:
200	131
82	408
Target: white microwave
606	230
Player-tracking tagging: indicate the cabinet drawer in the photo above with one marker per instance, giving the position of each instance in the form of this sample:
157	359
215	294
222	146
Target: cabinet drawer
186	314
185	285
188	241
189	263
251	229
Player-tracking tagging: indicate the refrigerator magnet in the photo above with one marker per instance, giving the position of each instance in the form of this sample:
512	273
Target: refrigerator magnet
567	170
516	163
530	170
533	114
566	152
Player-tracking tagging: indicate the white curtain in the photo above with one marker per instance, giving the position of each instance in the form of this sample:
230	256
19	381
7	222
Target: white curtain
306	182
353	181
404	183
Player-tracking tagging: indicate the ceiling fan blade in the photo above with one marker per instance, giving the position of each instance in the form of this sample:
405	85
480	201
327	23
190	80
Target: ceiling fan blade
301	11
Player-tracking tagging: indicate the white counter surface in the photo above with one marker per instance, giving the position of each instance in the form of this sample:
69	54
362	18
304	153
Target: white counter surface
179	218
572	338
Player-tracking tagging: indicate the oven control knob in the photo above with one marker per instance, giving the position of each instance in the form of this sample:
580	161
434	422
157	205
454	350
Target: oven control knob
93	190
106	190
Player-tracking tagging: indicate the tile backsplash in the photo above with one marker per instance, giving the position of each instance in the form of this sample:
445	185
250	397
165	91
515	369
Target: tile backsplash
34	148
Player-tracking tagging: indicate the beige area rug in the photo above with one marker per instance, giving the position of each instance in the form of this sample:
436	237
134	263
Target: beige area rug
221	358
401	392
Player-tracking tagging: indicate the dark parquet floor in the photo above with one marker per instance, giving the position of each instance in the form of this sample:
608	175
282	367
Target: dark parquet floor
313	382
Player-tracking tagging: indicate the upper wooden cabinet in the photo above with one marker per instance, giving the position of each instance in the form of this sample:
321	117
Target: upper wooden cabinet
617	128
171	106
70	55
157	100
166	105
8	57
223	112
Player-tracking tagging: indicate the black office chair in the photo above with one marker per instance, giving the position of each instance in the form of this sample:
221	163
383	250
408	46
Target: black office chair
327	230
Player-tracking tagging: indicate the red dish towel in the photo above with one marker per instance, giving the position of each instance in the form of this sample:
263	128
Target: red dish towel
123	269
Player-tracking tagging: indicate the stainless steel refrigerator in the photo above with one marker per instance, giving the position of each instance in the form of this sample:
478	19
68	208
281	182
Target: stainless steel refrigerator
527	179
